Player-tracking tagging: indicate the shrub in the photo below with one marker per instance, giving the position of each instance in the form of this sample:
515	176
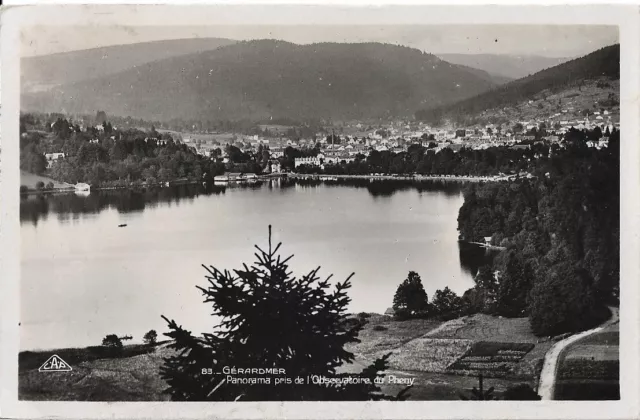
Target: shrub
24	189
151	337
446	303
380	328
521	392
112	343
40	185
50	185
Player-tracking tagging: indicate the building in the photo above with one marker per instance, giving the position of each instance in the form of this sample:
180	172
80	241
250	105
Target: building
82	187
276	168
53	157
311	161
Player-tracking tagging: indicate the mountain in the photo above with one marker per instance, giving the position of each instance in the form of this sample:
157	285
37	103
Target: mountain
603	63
505	65
493	78
269	78
43	72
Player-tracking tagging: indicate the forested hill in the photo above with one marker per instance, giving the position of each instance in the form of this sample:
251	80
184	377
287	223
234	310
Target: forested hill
41	72
506	65
268	78
604	62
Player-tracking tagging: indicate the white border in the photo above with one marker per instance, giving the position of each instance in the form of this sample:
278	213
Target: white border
626	17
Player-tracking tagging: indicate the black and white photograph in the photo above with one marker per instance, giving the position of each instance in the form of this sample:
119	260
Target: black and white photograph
300	212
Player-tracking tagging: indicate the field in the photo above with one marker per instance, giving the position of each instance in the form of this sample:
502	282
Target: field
96	376
30	180
491	359
589	369
420	349
437	354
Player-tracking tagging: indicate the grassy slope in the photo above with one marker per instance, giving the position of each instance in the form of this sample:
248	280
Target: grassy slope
30	180
132	377
421	349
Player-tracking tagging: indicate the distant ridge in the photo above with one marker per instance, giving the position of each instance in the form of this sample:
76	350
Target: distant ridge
273	79
604	62
505	65
42	72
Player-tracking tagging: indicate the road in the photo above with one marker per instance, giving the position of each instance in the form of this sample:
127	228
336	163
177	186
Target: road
546	386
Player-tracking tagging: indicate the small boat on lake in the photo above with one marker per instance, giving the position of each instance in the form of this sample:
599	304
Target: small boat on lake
122	225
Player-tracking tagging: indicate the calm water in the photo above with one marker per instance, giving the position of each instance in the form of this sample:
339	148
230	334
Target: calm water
83	277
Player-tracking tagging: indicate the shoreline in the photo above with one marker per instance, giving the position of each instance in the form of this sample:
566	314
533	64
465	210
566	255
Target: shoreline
266	177
457	178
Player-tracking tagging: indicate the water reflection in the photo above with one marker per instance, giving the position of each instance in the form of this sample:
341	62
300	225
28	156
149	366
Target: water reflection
65	206
472	257
71	206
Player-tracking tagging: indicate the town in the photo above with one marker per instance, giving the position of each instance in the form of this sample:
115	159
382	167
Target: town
347	142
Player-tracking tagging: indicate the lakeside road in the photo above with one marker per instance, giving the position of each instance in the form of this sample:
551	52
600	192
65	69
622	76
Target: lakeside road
461	178
548	375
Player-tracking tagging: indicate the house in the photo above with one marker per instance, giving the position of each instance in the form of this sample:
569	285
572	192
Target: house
53	157
276	168
82	187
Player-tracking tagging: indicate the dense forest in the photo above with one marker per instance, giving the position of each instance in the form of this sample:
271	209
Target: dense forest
561	233
603	62
111	157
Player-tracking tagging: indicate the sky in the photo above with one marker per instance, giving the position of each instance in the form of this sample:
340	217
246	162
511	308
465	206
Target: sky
544	40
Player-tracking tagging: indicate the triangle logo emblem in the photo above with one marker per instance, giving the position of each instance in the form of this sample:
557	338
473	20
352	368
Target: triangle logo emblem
55	364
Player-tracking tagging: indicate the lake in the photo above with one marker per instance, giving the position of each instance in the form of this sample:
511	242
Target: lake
83	277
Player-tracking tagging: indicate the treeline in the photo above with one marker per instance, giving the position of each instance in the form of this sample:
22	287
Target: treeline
562	237
601	63
297	128
425	161
485	162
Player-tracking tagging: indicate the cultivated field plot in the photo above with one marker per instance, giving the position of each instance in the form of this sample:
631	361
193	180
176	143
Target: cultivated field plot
382	334
481	327
491	359
428	354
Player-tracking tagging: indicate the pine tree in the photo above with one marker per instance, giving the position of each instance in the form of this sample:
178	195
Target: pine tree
270	319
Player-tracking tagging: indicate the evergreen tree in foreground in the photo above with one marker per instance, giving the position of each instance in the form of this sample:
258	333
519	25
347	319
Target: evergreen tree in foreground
270	319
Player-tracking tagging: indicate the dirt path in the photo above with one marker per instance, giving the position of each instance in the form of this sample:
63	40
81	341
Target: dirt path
547	382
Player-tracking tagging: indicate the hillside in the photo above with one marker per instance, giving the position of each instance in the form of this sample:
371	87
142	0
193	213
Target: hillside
268	78
505	65
493	78
603	63
42	72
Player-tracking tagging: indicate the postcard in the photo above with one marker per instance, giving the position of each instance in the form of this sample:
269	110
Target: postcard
253	211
